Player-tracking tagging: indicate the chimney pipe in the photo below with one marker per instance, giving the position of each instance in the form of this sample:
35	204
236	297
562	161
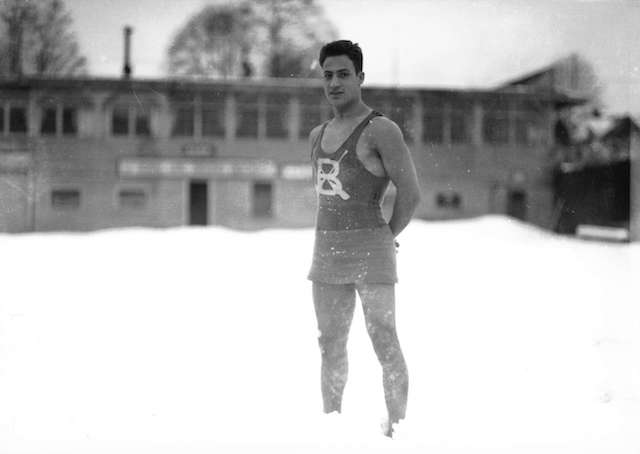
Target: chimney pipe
126	69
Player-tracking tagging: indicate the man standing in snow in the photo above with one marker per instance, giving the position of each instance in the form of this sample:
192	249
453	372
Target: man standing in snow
355	155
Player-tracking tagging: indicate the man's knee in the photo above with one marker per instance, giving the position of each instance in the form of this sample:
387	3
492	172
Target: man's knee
332	346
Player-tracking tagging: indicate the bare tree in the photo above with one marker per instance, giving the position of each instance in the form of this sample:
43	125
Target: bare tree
37	39
277	38
211	43
295	30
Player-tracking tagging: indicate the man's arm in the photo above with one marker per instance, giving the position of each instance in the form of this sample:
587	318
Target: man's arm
314	135
399	166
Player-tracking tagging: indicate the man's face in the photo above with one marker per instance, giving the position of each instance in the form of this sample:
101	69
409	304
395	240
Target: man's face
341	82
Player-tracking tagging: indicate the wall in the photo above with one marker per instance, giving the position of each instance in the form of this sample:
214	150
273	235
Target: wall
481	173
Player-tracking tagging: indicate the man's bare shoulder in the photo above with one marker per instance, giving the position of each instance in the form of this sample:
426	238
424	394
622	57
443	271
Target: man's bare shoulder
315	132
383	129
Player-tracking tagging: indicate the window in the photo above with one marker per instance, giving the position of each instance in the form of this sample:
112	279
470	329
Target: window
313	111
459	122
277	116
13	118
48	124
69	121
50	117
522	131
529	130
495	122
247	115
448	200
247	121
529	124
214	107
127	120
402	113
18	119
459	127
432	124
65	199
132	198
142	123
310	117
183	124
120	121
262	200
213	119
495	127
276	121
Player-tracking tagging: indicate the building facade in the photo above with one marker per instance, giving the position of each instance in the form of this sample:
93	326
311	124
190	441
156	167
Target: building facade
85	154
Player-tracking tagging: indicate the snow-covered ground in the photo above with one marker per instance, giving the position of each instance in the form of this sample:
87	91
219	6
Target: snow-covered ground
204	340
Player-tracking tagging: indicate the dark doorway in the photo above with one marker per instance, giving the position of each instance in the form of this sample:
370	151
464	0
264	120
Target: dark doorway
595	194
198	203
262	200
517	204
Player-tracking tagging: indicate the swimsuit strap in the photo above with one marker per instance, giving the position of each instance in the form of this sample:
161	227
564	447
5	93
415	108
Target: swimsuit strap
318	140
355	135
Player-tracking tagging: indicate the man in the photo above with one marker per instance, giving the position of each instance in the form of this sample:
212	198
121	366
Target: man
355	155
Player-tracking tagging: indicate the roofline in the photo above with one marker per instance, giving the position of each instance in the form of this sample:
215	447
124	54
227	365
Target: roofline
172	83
536	72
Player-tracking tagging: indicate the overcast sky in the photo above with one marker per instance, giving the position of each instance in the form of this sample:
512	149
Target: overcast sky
428	43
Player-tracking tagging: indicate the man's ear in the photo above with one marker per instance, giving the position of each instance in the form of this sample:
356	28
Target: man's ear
361	77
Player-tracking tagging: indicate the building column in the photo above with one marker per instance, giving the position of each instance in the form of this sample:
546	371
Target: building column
634	187
293	108
446	123
230	118
262	116
476	123
417	122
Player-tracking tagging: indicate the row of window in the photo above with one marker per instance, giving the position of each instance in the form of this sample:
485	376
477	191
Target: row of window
69	199
439	125
13	120
135	198
262	199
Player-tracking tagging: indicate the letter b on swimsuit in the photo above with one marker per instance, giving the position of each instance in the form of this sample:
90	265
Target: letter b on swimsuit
328	182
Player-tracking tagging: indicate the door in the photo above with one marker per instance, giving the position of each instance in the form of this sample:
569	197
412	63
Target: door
198	203
517	204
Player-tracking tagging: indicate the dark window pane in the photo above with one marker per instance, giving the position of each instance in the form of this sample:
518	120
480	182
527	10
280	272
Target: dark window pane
69	121
142	124
18	119
529	128
120	121
495	127
310	117
448	200
459	122
432	126
183	122
48	124
246	98
247	121
132	198
182	97
277	121
216	97
65	199
402	114
262	200
522	131
213	120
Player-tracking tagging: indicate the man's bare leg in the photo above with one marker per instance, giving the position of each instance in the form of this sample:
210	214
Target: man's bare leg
334	305
378	301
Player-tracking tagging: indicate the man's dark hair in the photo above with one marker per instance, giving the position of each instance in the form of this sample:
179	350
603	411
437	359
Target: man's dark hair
342	47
